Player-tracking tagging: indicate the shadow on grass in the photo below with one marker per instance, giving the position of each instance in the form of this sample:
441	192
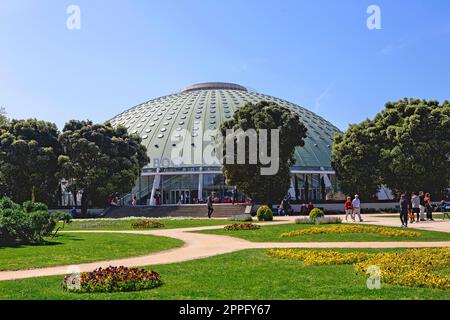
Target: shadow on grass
45	243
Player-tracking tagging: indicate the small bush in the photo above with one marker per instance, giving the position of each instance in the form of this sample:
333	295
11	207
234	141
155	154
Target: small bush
264	213
242	218
147	224
29	206
242	226
112	279
28	223
316	213
6	203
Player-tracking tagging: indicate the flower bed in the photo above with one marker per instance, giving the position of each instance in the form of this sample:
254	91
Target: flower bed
411	268
318	258
319	221
147	224
242	226
97	224
352	229
242	218
112	279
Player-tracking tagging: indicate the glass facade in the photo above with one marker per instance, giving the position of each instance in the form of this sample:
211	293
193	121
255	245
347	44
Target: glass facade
186	188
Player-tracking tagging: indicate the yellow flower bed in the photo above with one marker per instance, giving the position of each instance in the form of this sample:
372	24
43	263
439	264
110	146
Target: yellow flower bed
318	258
411	268
352	229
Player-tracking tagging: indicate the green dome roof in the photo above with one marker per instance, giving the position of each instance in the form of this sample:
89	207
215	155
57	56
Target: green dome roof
206	106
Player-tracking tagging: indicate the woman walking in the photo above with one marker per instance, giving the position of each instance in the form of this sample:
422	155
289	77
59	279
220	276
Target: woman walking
428	207
404	211
349	209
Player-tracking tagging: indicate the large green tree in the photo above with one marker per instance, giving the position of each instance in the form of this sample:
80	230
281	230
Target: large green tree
3	119
405	147
100	160
268	189
29	151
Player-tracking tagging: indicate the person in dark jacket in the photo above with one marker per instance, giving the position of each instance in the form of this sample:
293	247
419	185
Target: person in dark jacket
210	206
404	207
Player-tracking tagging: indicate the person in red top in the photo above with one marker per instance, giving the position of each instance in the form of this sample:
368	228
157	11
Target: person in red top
429	207
349	209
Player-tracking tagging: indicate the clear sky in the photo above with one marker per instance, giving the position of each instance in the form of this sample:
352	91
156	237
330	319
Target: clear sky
318	54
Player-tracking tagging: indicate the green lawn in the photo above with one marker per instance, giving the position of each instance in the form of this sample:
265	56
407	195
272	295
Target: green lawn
69	249
111	224
251	275
273	234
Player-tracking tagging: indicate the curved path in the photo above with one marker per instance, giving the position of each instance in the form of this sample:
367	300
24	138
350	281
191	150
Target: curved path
199	245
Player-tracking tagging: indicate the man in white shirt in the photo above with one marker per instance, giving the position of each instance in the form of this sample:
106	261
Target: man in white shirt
415	204
357	207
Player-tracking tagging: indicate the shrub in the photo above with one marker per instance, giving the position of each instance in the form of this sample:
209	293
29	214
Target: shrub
242	218
30	206
6	203
264	213
316	213
242	226
28	223
112	279
147	224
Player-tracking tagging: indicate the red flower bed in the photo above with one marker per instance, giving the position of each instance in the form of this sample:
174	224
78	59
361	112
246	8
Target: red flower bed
112	279
146	224
242	226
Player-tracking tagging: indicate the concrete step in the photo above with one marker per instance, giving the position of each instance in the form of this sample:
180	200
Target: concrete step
193	211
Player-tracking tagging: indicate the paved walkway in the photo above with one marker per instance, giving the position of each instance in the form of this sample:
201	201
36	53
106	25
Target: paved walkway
199	246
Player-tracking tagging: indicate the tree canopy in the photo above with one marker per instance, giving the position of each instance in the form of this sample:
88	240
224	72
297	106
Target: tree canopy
29	151
100	160
268	189
3	119
405	147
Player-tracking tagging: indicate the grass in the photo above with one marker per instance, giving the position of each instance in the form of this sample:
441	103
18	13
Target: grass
73	248
248	275
273	234
125	224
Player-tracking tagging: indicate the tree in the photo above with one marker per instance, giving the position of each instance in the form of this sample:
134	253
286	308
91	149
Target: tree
100	160
3	119
355	159
268	189
405	147
29	151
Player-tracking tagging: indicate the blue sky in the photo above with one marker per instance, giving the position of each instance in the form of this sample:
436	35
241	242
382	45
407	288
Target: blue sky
318	54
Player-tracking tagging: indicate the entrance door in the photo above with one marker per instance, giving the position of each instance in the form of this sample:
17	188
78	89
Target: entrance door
180	196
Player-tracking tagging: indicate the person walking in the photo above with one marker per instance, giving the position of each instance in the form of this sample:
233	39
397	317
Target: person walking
349	209
422	205
134	202
415	205
428	207
282	208
234	195
209	202
357	208
404	211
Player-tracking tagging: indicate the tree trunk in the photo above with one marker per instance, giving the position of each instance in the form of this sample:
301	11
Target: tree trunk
33	194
